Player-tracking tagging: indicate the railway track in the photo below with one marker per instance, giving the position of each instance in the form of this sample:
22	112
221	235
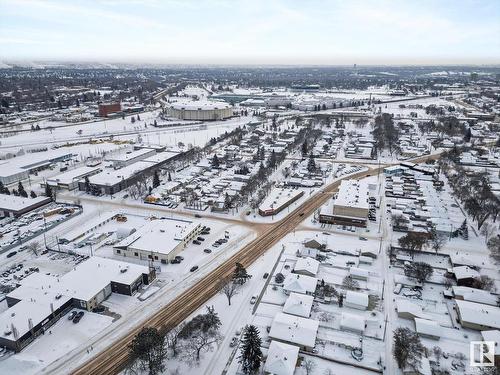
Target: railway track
115	357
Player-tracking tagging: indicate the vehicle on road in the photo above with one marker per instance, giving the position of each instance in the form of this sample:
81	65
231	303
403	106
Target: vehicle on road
265	276
234	342
253	300
363	238
194	268
198	216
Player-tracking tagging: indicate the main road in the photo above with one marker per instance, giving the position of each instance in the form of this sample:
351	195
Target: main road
115	357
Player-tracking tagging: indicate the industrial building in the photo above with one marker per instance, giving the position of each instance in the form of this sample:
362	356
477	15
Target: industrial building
15	206
69	180
159	240
120	161
19	168
350	207
111	181
200	110
41	300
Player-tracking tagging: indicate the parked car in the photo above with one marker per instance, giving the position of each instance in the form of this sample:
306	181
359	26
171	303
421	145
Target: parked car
179	257
78	317
208	251
11	254
200	239
196	242
194	268
175	261
198	216
72	315
363	238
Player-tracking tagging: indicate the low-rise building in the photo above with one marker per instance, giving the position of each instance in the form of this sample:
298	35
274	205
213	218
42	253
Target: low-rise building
477	316
159	240
281	359
294	330
15	206
350	207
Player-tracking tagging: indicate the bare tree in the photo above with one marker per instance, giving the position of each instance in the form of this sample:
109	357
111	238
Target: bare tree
202	342
494	247
34	246
309	366
229	288
173	340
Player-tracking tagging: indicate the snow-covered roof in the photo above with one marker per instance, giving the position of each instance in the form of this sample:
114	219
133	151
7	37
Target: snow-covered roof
137	154
359	273
83	282
17	203
405	307
464	272
356	298
278	198
492	335
159	236
300	283
294	329
36	310
476	313
72	175
298	304
352	193
474	295
427	327
113	177
308	265
281	358
352	322
194	105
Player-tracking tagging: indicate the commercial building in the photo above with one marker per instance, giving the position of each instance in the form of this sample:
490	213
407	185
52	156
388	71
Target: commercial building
42	299
278	200
15	206
202	110
350	207
159	240
106	109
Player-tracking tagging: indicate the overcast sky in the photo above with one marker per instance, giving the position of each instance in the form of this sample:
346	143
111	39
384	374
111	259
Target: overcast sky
327	32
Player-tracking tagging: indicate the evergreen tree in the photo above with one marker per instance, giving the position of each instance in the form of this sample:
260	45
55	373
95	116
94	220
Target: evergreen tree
272	160
20	189
215	161
311	164
240	274
32	194
251	355
48	190
87	184
149	349
468	135
156	180
407	348
2	188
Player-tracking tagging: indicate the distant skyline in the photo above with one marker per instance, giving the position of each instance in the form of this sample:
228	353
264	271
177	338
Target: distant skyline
258	32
